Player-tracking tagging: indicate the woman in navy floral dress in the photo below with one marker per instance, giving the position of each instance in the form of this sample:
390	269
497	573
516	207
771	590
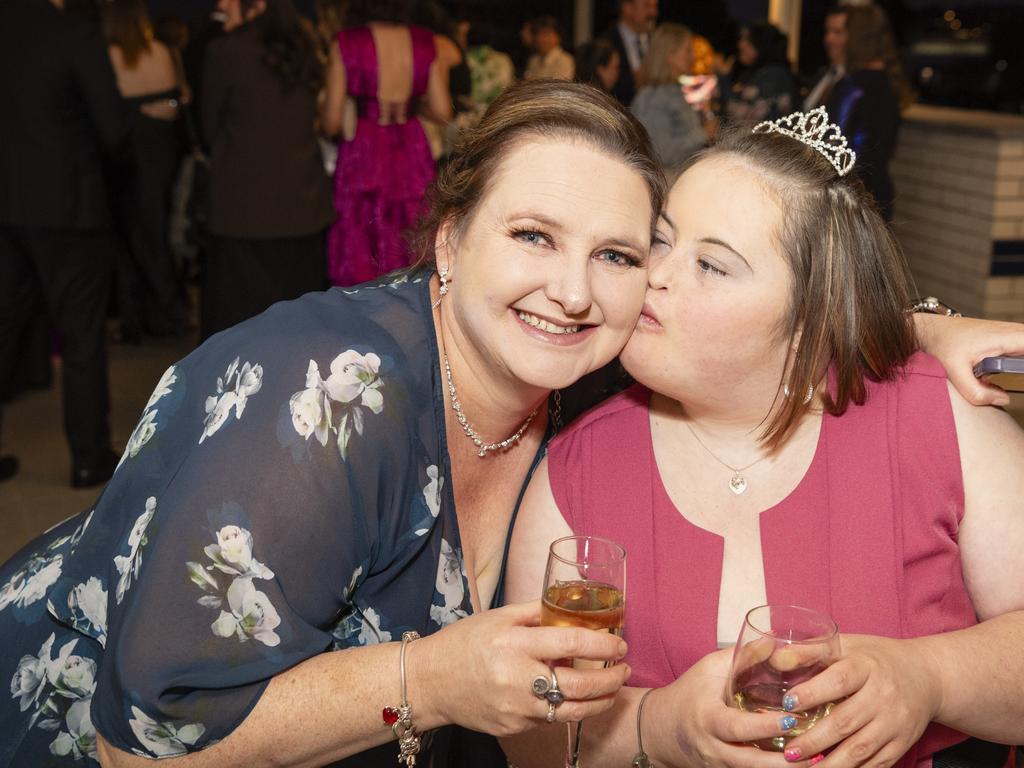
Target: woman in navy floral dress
289	490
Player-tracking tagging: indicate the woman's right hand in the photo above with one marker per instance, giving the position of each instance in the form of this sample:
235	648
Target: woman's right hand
695	726
478	671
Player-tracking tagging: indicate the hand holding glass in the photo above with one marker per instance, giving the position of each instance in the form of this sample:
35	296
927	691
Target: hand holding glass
584	586
779	647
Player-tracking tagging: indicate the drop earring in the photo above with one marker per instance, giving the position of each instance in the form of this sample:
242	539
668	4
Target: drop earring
442	274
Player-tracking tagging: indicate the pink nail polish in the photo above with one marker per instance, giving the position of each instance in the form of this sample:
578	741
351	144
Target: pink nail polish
816	759
792	754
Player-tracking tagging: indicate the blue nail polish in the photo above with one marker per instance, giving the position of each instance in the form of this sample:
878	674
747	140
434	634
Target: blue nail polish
788	702
788	722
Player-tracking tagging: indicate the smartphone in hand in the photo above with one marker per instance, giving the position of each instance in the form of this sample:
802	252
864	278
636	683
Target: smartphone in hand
1005	372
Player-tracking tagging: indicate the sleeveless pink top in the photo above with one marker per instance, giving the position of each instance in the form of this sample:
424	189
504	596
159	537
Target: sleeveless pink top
869	536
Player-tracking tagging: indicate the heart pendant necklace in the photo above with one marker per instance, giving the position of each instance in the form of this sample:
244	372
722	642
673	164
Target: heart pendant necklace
737	483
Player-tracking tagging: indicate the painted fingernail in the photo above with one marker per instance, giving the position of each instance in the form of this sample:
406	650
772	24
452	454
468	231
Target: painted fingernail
788	722
792	754
789	702
816	759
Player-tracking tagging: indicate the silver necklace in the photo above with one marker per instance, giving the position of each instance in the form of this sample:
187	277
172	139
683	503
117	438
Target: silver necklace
737	483
482	447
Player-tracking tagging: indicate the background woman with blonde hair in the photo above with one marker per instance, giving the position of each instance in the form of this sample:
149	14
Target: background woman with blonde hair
675	128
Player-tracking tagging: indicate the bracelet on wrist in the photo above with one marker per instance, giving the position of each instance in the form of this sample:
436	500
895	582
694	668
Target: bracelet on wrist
933	306
400	719
640	760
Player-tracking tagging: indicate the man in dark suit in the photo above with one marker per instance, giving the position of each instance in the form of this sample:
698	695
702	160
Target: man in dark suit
61	111
631	36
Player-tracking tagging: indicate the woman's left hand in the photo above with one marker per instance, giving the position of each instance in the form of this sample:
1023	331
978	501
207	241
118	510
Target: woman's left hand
959	343
886	692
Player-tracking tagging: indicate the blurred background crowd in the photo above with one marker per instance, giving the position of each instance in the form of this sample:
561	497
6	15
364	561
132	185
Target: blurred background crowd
169	169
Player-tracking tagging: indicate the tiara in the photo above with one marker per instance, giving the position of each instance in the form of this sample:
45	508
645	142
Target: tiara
813	129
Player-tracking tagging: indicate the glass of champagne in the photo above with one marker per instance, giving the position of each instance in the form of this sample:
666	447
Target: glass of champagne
781	646
584	586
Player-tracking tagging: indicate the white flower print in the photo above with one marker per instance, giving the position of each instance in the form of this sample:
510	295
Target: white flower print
354	383
34	672
31	582
80	738
129	566
252	615
233	392
249	614
74	538
370	633
232	554
88	604
432	495
163	387
143	431
77	678
163	739
450	586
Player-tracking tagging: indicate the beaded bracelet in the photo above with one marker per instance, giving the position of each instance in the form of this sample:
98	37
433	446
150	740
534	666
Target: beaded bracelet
400	719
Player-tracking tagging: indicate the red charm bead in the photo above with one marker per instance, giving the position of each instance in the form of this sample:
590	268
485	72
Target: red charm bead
390	715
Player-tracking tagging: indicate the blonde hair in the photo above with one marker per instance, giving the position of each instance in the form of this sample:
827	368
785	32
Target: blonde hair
666	40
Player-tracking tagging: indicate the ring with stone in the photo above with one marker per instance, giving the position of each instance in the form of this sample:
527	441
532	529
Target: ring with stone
551	712
554	695
540	686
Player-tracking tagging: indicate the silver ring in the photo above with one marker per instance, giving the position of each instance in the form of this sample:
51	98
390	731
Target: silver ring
551	712
540	686
554	695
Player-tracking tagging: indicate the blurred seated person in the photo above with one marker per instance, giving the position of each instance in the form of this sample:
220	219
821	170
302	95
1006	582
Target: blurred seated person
550	60
599	64
786	444
764	87
866	102
675	128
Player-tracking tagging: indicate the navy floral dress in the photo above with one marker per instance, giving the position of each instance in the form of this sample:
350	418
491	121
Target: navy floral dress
285	493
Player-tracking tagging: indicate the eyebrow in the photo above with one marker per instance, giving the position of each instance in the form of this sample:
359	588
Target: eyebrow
723	244
557	225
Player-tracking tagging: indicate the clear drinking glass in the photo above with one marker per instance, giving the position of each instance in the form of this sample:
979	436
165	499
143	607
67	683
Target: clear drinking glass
584	586
779	647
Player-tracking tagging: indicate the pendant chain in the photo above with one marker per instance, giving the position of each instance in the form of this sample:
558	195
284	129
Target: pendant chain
737	483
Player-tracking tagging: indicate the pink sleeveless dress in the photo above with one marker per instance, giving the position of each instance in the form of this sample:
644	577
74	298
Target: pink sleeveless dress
869	536
382	173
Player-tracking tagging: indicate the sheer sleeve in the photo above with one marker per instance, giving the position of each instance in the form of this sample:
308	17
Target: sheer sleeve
251	506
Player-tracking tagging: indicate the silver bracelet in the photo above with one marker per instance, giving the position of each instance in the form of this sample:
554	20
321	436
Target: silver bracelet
400	719
933	306
641	760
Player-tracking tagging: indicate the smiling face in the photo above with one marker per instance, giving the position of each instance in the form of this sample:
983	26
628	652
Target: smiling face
719	296
547	276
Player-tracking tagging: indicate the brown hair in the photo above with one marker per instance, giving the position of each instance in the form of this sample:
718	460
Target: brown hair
870	39
126	25
537	108
850	284
666	40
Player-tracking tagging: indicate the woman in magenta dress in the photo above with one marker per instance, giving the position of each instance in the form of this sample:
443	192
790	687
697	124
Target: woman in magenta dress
786	444
387	67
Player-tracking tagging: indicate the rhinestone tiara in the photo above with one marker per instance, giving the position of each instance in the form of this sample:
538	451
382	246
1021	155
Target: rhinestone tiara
813	129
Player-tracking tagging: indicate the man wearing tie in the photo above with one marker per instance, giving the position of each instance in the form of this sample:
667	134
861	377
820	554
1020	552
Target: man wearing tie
835	47
631	36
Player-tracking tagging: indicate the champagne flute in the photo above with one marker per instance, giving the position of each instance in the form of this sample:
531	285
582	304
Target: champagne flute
584	586
779	647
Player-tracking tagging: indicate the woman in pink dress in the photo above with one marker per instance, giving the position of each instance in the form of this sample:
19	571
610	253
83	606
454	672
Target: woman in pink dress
786	444
389	69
